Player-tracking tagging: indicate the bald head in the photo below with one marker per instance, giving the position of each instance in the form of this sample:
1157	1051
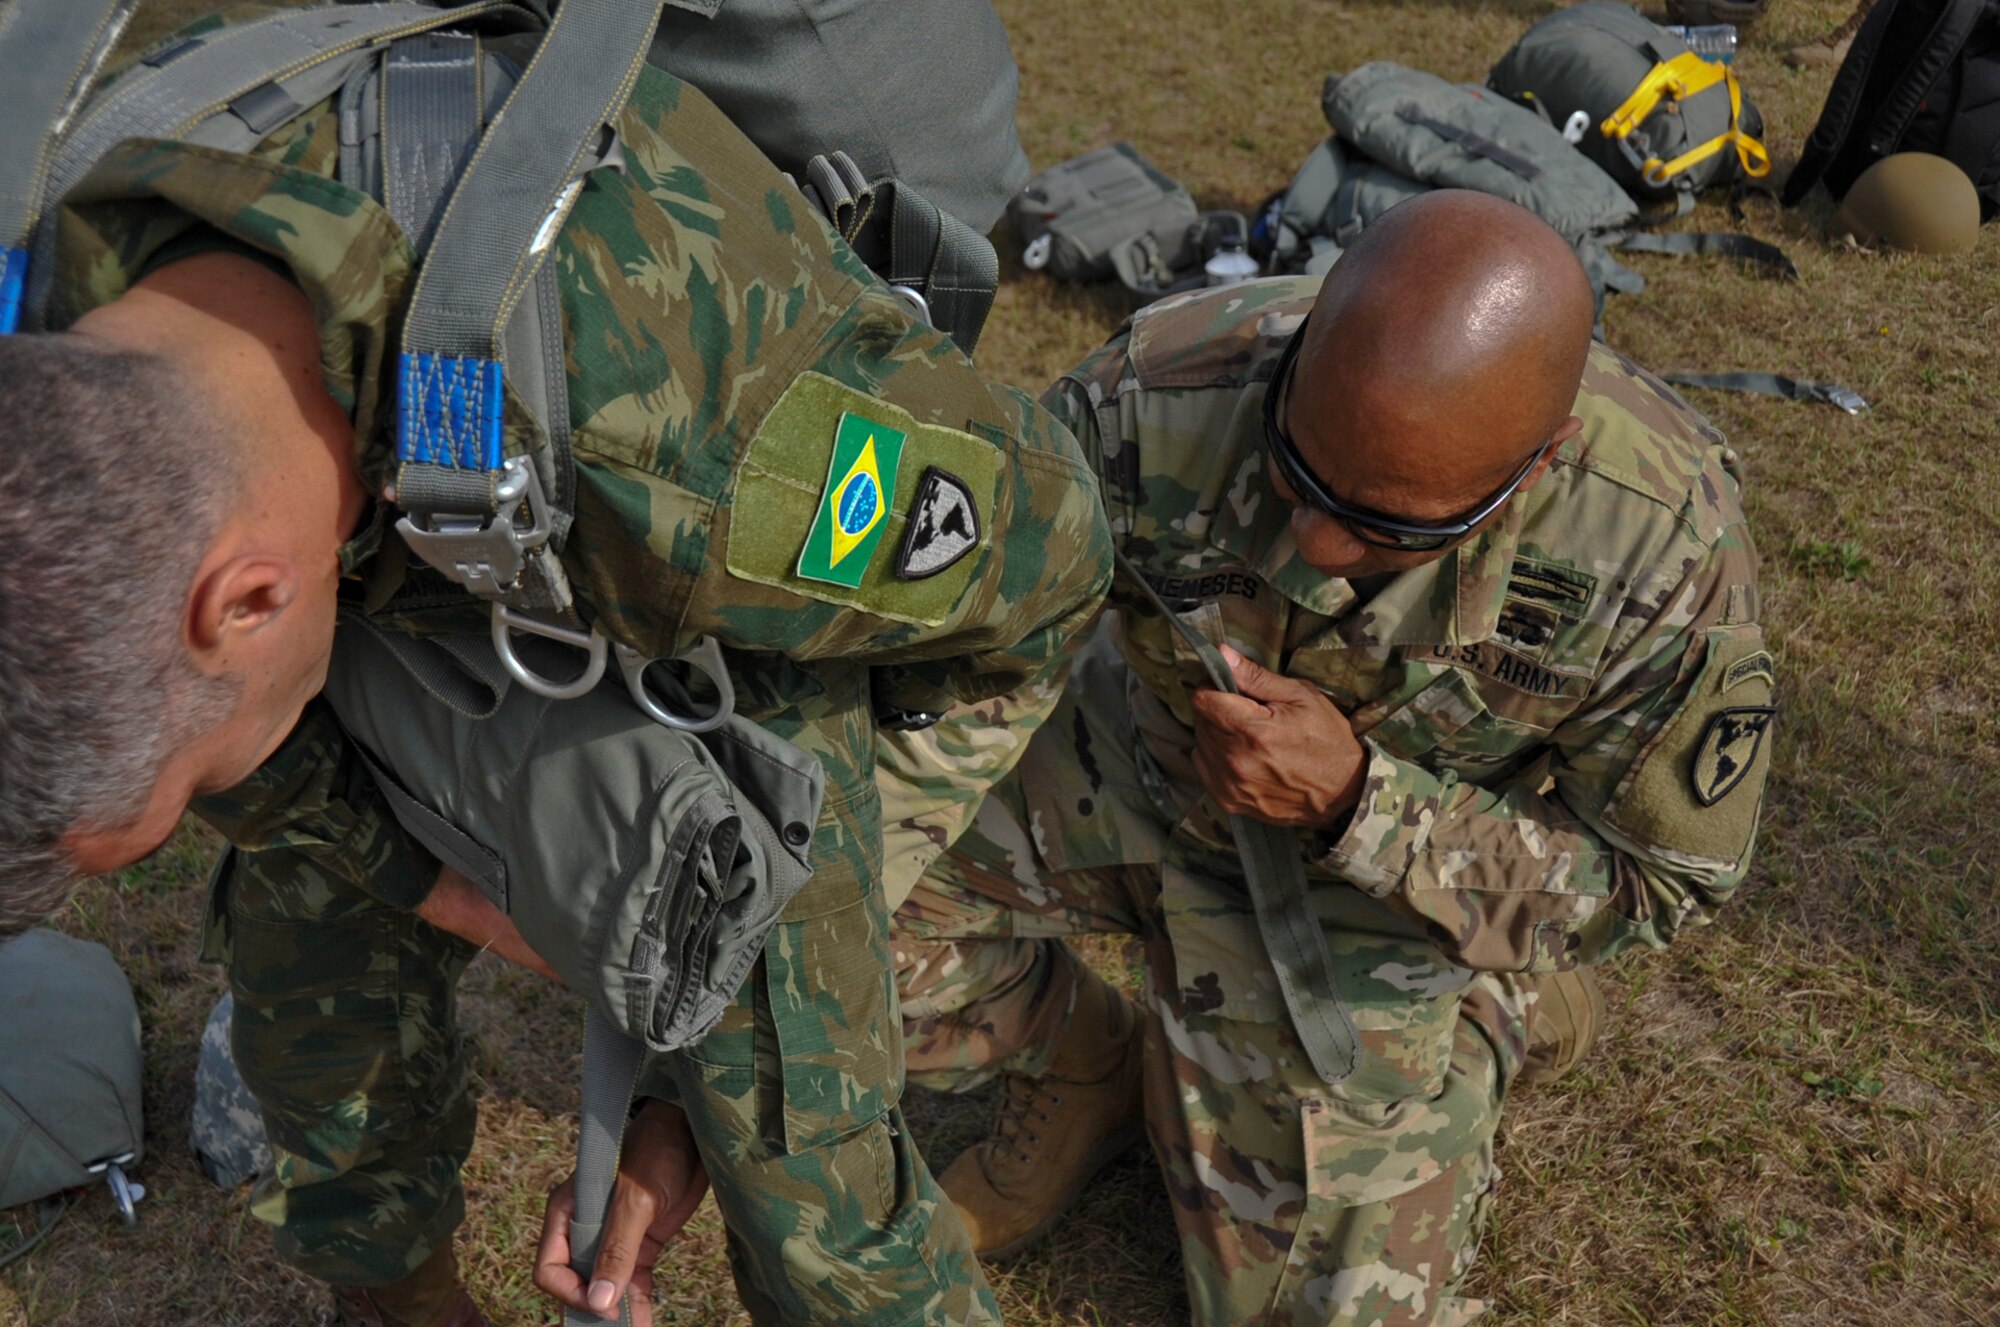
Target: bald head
1446	345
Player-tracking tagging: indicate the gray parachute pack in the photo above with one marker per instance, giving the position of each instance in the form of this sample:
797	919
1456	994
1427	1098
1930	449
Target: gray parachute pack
70	1111
1398	132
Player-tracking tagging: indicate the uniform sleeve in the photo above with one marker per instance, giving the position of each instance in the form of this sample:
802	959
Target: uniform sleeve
315	796
1640	821
896	507
933	779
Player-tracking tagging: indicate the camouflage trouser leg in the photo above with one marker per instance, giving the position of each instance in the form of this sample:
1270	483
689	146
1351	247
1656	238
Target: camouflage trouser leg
988	989
832	1215
1298	1203
345	1031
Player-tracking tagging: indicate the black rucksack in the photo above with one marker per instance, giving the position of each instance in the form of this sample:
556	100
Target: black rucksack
1922	76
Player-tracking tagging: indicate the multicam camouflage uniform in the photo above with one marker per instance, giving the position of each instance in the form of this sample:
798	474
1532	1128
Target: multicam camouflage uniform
716	335
1564	720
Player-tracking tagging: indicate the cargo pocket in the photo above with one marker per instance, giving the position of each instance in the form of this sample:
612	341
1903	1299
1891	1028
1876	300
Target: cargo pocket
1427	720
1395	1196
812	1049
318	1019
344	1006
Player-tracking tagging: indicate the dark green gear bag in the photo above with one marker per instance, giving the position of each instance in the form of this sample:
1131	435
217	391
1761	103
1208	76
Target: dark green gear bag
1658	118
69	1075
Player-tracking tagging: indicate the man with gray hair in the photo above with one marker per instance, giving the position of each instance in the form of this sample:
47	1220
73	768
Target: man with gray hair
197	458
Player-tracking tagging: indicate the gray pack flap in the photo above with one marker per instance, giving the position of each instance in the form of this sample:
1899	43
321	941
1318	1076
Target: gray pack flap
1449	136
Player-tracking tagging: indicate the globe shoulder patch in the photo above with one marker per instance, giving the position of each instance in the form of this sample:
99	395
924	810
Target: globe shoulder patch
1697	787
943	526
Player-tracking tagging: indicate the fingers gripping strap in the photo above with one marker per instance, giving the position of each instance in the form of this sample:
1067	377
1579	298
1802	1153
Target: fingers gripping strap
610	1072
1277	882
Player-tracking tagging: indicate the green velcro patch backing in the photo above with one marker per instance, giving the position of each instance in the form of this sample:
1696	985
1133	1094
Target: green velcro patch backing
785	486
1697	787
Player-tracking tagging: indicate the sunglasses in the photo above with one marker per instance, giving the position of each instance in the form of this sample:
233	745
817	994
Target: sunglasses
1370	527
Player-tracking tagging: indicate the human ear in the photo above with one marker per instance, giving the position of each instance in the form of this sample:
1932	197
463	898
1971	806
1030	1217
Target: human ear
1568	429
234	602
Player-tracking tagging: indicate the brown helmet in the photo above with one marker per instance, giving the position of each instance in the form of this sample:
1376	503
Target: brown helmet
1696	12
1911	200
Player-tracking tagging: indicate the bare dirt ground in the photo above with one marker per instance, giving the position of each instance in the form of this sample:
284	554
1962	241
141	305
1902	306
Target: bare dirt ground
1796	1115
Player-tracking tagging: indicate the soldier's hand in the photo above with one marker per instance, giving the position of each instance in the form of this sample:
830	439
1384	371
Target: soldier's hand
1281	752
661	1180
456	905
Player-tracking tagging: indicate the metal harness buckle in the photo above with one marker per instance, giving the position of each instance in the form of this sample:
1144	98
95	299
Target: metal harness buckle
486	553
914	299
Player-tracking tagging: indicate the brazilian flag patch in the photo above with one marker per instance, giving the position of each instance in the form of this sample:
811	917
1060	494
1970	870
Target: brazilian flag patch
854	509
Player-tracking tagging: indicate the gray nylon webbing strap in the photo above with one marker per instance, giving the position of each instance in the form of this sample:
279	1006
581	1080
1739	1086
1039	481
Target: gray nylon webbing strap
49	52
446	841
1277	883
431	118
166	100
908	240
957	268
1714	244
610	1073
1476	144
518	187
1774	384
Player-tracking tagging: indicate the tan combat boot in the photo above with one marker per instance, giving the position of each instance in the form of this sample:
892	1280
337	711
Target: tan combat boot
1563	1024
1833	47
431	1296
1055	1132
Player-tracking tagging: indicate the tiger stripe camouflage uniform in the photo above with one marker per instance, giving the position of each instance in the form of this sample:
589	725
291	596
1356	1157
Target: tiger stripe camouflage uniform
717	335
1565	721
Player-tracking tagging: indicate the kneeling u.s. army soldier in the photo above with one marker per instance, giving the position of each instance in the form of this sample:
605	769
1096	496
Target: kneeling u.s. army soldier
1487	595
193	450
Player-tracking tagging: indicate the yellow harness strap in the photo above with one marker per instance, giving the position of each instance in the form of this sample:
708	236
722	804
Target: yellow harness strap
1677	80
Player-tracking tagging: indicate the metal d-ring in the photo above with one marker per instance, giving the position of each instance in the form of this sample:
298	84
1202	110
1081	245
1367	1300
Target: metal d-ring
506	621
124	1191
706	657
918	305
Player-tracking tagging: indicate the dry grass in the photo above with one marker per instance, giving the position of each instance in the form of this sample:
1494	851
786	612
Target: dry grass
1796	1116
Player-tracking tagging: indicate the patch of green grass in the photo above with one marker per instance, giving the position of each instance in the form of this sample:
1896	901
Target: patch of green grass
1820	558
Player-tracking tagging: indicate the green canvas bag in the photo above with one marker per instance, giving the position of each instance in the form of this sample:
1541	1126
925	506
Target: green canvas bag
646	863
1072	216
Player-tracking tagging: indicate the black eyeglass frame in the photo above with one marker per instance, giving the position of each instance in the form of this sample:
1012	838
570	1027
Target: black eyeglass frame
1371	527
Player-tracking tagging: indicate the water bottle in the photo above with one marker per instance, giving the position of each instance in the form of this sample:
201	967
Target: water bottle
1715	42
1230	264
